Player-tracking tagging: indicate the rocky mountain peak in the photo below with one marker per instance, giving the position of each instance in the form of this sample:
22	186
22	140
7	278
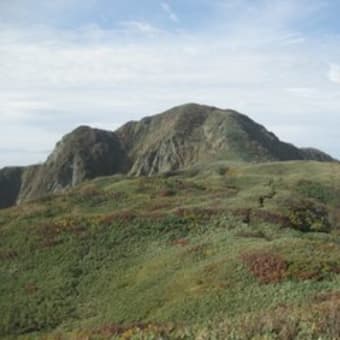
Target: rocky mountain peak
175	139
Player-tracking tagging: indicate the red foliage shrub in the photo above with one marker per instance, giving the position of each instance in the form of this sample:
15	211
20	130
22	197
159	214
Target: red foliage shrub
121	330
167	193
89	192
159	206
180	242
199	248
49	235
267	267
327	308
30	288
119	216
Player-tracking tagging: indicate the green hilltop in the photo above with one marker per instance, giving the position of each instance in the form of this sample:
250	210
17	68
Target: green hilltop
221	250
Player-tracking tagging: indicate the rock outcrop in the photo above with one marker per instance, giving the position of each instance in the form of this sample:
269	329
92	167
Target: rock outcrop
10	186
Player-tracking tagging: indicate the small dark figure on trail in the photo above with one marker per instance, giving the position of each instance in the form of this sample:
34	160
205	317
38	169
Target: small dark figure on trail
246	217
261	201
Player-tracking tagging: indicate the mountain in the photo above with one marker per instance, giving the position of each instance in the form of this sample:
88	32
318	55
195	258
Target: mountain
176	139
84	153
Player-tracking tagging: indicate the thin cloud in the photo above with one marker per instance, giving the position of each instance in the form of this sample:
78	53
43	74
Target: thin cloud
169	11
334	73
140	26
55	79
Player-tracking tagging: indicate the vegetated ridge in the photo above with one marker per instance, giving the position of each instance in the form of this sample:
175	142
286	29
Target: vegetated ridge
223	250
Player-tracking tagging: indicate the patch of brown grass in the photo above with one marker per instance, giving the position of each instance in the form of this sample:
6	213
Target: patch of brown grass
267	267
167	193
327	297
180	242
327	311
135	330
30	288
119	216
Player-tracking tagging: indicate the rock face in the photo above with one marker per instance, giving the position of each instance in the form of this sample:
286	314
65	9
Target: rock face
193	133
83	154
10	184
176	139
317	155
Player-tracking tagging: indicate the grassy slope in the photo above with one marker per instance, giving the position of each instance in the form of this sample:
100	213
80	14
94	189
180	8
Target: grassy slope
212	251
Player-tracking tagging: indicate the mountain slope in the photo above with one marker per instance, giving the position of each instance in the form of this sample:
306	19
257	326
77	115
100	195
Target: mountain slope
230	251
176	139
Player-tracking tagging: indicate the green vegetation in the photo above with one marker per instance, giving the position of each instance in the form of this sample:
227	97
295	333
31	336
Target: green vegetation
225	251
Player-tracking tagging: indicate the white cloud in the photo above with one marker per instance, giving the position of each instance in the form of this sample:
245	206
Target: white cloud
169	11
140	26
22	144
306	92
53	80
334	73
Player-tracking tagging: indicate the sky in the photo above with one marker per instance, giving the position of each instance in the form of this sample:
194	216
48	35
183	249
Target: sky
65	63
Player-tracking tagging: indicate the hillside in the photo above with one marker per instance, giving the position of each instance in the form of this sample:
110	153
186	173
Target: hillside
225	250
176	139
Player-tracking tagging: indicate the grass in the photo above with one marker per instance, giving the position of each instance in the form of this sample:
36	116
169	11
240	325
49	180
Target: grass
183	256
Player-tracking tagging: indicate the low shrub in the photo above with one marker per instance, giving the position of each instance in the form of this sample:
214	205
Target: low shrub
306	216
267	267
312	269
315	190
269	217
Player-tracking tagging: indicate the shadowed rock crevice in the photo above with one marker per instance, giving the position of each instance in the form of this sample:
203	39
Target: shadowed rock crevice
10	184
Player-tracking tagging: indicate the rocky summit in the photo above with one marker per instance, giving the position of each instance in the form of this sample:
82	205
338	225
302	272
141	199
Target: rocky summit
176	139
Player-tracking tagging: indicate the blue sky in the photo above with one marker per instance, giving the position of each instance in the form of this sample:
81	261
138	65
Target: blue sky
69	62
311	17
108	13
